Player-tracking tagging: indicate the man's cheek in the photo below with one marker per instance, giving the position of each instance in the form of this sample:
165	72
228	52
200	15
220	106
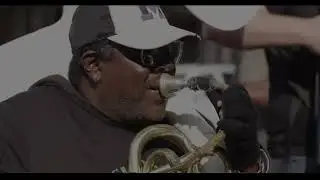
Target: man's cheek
137	92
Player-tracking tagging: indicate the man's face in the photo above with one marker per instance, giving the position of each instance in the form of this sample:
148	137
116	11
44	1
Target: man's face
130	82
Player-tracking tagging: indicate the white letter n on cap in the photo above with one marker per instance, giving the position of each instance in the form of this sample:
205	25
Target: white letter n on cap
151	12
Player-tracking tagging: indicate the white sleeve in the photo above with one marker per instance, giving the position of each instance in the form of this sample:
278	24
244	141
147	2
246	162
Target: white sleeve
225	18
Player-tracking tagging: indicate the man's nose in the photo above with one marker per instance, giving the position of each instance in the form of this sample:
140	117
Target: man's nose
168	68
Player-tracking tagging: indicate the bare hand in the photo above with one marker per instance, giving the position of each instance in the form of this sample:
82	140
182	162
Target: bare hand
311	34
258	91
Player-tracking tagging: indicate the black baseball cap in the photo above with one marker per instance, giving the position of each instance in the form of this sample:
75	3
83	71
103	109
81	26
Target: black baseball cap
138	27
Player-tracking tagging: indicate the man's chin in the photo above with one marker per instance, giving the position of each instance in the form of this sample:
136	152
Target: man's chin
157	115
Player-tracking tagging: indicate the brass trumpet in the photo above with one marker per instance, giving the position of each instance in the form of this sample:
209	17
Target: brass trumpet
190	162
193	157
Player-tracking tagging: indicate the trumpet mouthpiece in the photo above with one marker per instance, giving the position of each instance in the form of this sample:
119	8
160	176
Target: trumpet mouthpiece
169	85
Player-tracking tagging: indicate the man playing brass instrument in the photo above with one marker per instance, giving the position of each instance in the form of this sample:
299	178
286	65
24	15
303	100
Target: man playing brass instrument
87	124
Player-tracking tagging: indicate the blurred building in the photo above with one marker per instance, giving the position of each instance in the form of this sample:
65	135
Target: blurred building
21	20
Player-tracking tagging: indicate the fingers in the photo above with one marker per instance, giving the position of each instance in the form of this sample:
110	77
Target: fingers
236	129
238	105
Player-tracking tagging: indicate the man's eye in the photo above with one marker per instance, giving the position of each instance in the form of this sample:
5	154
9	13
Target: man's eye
148	60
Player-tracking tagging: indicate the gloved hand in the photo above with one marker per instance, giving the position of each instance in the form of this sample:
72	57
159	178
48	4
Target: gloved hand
239	122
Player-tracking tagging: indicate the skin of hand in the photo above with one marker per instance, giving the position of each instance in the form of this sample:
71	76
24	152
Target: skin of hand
311	34
258	91
266	29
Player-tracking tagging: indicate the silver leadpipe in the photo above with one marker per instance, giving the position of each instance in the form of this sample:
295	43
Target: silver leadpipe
169	85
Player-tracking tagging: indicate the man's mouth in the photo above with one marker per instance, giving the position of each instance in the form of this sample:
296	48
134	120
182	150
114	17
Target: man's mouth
153	85
156	95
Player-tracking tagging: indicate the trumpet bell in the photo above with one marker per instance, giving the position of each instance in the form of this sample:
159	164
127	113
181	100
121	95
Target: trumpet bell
162	131
190	162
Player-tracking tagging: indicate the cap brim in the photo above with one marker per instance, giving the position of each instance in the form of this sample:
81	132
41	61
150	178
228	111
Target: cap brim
225	18
150	37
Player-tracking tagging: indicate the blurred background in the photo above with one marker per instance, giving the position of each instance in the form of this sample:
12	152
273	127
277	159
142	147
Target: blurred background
250	66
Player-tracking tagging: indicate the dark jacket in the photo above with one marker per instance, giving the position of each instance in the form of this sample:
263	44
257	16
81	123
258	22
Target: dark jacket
291	81
51	128
291	63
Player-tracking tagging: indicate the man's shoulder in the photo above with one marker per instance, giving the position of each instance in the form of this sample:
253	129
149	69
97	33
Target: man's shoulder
28	102
19	112
27	97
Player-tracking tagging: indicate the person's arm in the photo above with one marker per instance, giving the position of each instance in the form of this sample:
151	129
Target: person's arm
264	29
267	29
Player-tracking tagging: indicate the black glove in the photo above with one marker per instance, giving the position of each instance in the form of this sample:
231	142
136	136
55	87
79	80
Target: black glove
239	122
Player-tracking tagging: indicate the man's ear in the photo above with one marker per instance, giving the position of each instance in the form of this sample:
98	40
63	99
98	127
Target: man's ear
91	66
